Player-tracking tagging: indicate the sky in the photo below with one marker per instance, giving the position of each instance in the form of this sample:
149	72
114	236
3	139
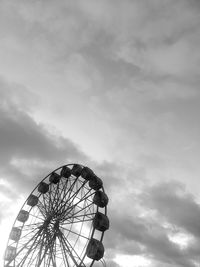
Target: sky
113	85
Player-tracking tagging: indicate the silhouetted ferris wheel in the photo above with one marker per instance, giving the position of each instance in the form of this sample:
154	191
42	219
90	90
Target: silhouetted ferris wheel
62	222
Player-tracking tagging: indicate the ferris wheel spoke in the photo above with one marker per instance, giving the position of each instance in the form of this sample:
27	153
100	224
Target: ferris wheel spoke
87	215
29	250
70	189
46	244
32	260
25	246
45	205
71	199
68	195
45	259
79	198
53	254
83	192
83	199
86	196
64	187
50	194
26	235
36	216
32	257
56	196
83	254
51	258
81	217
48	200
61	205
88	210
64	254
83	220
78	234
31	225
64	184
72	249
42	205
39	260
33	249
66	250
89	207
78	221
82	209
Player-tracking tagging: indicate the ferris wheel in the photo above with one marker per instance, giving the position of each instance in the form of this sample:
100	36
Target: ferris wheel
62	222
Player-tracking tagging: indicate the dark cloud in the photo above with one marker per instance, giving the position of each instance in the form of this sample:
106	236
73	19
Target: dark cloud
137	236
173	205
134	234
27	147
178	207
22	137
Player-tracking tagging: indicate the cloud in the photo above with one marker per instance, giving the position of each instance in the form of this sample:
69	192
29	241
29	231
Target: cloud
26	145
118	79
107	262
174	207
145	35
154	229
22	137
118	57
179	208
145	38
146	239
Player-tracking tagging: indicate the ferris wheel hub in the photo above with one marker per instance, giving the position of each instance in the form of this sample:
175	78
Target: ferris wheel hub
56	225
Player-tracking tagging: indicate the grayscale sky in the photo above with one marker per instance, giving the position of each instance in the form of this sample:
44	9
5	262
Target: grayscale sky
113	85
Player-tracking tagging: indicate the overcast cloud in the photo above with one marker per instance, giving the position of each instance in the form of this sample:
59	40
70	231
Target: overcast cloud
113	85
